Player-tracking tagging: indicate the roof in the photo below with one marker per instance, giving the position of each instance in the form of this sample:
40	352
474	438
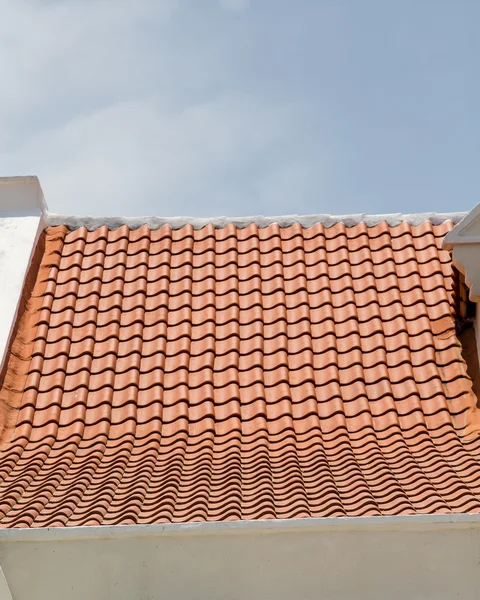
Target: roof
234	372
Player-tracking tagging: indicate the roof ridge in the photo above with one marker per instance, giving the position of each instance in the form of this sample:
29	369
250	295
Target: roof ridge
393	219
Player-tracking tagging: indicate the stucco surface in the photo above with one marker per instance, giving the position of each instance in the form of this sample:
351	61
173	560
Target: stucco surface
21	196
438	562
4	589
92	223
17	237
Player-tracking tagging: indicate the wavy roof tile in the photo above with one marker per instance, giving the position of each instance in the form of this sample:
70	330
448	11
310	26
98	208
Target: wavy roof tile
237	373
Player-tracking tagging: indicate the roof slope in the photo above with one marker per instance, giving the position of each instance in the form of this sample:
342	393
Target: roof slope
178	375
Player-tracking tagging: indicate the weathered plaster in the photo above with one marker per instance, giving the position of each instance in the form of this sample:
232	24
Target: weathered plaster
21	196
4	589
417	557
17	239
464	242
21	221
466	258
92	223
467	231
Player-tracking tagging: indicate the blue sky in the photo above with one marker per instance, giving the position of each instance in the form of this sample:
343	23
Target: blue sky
238	107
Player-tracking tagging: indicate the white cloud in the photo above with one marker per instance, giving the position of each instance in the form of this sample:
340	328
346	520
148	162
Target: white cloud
59	55
142	155
117	113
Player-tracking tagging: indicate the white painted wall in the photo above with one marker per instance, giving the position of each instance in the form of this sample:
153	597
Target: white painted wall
21	208
464	242
92	223
17	238
20	196
409	558
4	589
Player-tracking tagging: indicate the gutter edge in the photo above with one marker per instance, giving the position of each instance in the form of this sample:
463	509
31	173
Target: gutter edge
274	526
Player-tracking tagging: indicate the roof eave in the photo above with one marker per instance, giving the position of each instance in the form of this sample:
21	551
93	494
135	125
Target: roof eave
414	522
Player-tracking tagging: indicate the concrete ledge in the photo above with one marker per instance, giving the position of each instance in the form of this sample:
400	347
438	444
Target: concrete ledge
21	197
415	557
267	526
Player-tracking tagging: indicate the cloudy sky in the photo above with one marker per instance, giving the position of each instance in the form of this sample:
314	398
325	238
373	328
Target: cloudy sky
236	107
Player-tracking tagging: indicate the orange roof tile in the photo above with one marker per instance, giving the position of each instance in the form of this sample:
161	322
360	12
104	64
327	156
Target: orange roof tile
215	374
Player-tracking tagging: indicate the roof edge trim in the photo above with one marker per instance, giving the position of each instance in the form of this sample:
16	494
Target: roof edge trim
93	223
459	234
270	526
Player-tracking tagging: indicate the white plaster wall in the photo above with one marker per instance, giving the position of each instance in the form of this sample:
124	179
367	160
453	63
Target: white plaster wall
21	196
22	207
438	561
17	239
466	257
4	589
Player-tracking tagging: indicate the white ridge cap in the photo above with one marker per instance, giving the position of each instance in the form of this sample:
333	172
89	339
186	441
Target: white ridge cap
92	223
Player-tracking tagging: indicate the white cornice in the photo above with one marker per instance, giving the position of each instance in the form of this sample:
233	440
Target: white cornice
464	243
463	232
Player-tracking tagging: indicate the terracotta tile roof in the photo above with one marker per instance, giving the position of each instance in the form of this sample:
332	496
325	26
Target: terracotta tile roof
179	375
